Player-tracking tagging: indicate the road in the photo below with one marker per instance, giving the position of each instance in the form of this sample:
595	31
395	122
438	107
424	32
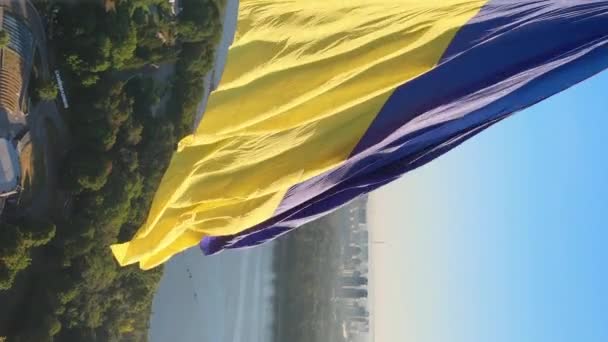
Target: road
52	152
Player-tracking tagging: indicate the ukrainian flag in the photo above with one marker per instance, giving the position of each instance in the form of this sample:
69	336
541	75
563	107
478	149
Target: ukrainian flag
324	100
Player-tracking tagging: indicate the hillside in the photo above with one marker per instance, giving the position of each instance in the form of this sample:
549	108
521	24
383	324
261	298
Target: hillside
59	281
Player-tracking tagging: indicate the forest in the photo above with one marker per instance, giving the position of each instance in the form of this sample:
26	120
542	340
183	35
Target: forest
58	280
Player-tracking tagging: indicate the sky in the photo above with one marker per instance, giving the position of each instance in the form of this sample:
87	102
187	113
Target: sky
503	238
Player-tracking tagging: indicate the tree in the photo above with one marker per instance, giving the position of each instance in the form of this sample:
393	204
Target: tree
52	325
7	276
86	171
4	39
199	20
90	79
145	93
124	49
38	233
94	178
131	132
17	242
118	158
47	91
129	159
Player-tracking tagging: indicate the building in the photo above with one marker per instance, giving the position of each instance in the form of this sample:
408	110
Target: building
353	281
10	170
15	64
355	310
16	60
353	293
175	6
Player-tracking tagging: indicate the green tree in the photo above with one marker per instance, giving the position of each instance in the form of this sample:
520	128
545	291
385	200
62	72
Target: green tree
52	325
4	39
80	294
17	242
38	233
47	91
132	133
129	159
89	79
199	21
124	49
86	171
7	276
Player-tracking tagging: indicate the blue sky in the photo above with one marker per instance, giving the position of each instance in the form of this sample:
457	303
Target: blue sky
504	238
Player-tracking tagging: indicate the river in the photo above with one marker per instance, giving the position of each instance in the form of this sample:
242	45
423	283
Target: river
223	298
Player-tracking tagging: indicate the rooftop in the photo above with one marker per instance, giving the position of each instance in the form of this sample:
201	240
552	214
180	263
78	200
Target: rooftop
15	63
9	167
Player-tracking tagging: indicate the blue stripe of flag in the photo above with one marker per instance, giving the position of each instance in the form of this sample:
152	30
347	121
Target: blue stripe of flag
513	54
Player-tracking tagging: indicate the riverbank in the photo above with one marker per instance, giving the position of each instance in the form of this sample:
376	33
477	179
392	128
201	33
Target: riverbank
213	78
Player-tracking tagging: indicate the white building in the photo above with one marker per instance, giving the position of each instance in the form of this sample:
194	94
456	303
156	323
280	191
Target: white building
16	61
10	169
175	8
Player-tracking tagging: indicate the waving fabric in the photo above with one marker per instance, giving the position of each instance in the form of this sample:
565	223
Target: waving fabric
324	100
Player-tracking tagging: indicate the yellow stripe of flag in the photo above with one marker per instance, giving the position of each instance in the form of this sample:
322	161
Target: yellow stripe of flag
303	82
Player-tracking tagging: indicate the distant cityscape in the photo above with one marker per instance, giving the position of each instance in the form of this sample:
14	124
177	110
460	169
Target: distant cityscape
352	291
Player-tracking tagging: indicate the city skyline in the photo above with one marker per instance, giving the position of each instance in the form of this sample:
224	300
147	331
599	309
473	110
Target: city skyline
353	294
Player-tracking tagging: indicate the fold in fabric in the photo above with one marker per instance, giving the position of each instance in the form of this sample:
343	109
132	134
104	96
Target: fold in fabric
322	101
